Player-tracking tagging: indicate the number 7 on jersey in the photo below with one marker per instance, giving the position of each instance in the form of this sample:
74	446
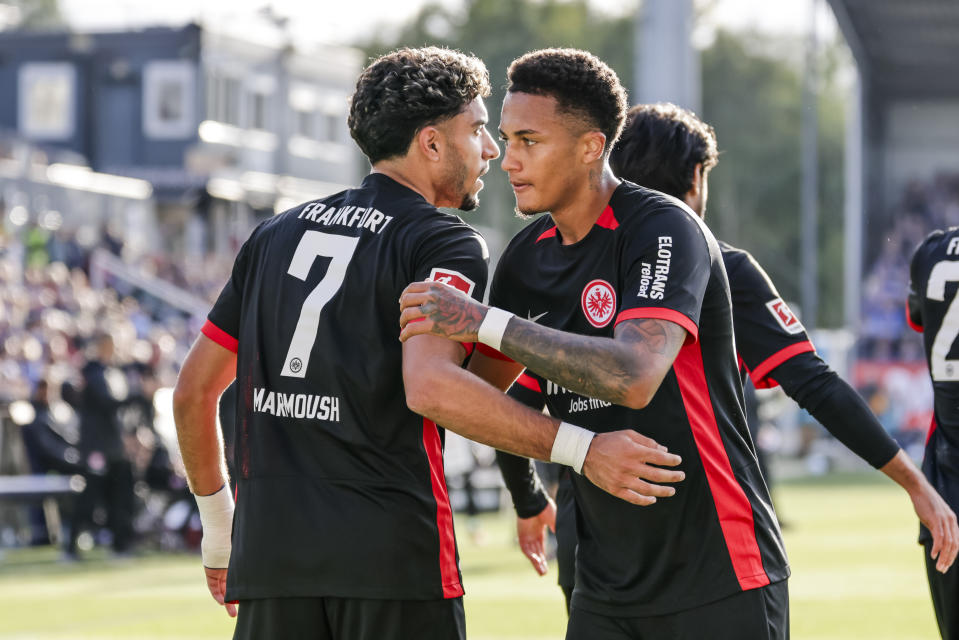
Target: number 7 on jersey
941	368
312	245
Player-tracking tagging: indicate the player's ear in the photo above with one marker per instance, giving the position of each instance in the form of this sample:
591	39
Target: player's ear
698	177
594	144
428	142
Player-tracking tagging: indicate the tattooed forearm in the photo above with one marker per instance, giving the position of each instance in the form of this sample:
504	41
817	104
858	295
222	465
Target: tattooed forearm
454	315
653	334
603	368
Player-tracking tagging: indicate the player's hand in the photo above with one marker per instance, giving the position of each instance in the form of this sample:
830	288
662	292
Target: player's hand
531	533
216	583
622	463
439	309
941	522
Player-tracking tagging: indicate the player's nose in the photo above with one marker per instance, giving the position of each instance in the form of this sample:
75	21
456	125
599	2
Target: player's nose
490	148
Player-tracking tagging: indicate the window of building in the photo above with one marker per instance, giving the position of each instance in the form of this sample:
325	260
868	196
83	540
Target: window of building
259	110
230	105
224	93
305	123
333	125
168	99
47	100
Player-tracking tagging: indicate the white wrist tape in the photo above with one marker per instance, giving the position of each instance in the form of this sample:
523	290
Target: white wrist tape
493	327
571	445
216	516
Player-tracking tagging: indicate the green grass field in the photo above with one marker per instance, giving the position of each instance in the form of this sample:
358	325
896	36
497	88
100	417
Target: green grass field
857	573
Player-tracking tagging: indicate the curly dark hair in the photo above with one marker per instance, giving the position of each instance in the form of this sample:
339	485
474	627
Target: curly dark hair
661	146
403	91
583	85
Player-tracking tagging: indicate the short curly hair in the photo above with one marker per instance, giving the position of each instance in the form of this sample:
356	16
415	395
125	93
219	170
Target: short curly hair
403	91
583	85
661	146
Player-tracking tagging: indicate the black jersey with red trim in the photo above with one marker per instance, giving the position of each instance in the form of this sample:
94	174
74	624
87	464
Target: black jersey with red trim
773	348
649	256
341	490
932	307
767	331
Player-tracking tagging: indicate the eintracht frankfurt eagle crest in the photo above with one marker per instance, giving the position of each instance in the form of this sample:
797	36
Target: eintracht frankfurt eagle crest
599	303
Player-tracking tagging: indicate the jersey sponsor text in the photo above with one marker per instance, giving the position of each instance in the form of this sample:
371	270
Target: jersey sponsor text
296	405
579	403
663	258
646	277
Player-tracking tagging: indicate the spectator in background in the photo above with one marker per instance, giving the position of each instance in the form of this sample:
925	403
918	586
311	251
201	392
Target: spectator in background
110	473
50	444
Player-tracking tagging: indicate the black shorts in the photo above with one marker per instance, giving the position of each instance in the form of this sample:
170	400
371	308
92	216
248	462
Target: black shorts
944	588
566	535
350	619
757	614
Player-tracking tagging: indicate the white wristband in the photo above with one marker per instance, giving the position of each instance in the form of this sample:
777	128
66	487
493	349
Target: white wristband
571	445
216	516
493	327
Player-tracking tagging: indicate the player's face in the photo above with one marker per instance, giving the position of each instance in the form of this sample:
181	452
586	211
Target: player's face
541	145
470	147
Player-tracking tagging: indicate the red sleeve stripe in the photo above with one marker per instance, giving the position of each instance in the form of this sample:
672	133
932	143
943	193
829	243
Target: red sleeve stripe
661	313
529	382
469	346
449	571
909	321
489	351
219	336
758	374
932	429
732	505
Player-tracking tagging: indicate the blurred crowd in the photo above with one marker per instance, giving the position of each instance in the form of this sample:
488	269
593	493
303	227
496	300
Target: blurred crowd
88	363
891	372
925	206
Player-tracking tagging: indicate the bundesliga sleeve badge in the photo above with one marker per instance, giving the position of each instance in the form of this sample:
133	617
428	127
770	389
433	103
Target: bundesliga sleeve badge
599	303
784	316
452	278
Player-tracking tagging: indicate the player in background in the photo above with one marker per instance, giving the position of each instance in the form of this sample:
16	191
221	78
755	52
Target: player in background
669	149
933	309
633	328
342	526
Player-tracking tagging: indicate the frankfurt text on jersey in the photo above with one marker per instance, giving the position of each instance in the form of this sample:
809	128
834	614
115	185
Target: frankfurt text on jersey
347	216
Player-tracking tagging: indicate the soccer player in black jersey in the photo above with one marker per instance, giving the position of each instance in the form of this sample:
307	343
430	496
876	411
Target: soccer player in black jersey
343	527
668	148
933	309
633	327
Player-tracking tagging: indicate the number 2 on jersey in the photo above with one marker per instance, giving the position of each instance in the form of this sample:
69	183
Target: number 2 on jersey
942	369
312	245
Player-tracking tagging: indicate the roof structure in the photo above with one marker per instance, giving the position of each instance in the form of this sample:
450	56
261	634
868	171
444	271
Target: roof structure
904	47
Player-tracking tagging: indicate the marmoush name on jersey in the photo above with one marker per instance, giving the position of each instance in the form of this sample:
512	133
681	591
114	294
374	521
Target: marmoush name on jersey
296	405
